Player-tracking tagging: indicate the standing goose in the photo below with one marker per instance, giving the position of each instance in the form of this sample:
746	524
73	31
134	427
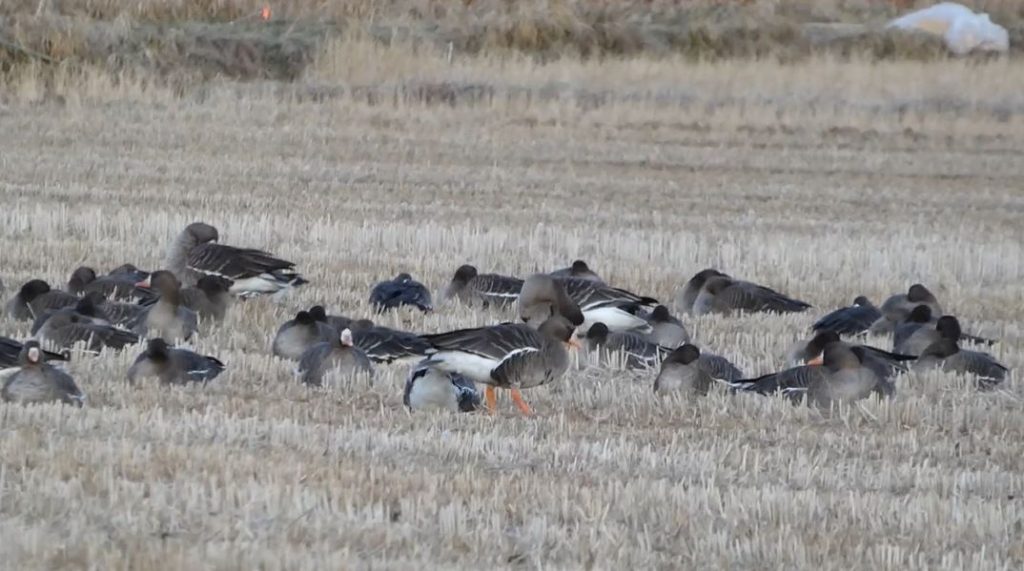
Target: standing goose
35	297
852	320
10	351
337	354
195	253
511	356
542	297
209	298
403	290
884	364
385	345
618	309
166	318
681	370
473	288
430	388
639	353
36	381
578	270
298	335
725	295
173	366
687	295
947	355
840	376
66	327
666	330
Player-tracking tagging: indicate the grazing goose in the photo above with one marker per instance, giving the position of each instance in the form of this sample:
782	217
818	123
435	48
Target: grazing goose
639	353
119	285
209	298
36	381
681	370
338	354
666	330
10	351
618	309
851	320
66	327
35	297
542	297
403	290
510	356
430	388
884	364
947	355
384	345
687	295
725	295
297	335
578	270
167	317
840	377
173	366
476	289
196	253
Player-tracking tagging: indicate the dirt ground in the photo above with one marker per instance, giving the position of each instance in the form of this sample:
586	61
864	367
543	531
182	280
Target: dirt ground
824	180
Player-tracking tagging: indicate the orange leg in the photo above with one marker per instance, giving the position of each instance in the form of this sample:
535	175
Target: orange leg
491	398
517	397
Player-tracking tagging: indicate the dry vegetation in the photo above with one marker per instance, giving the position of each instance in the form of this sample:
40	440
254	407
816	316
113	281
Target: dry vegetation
825	179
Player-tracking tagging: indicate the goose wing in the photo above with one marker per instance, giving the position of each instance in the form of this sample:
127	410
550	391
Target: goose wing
494	342
848	320
234	263
590	295
747	296
383	345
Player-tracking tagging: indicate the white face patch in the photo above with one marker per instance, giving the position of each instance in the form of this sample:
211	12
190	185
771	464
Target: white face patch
33	355
346	337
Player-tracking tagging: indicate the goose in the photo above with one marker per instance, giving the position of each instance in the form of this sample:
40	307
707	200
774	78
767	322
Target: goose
86	309
719	367
167	317
35	297
338	322
10	351
851	320
687	295
947	355
578	270
681	370
430	388
298	335
724	295
129	272
921	330
896	309
338	354
173	366
542	297
66	327
195	253
209	298
36	381
884	364
639	353
666	330
475	289
838	377
119	286
403	290
385	345
583	303
511	356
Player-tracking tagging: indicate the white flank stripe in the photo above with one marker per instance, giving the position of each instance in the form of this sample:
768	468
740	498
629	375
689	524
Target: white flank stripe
475	367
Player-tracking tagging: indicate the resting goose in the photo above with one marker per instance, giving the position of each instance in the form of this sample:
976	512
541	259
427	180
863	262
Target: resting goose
666	330
209	298
10	351
852	320
687	295
618	309
884	364
120	285
338	322
35	297
403	290
173	366
578	270
86	309
476	289
681	370
542	297
167	317
430	388
511	356
36	381
897	308
639	353
724	295
66	327
196	253
338	354
947	355
297	335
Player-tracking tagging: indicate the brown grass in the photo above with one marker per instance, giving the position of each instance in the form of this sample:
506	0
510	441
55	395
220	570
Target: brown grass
825	179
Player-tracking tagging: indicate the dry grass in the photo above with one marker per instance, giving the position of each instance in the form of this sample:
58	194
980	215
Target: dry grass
825	179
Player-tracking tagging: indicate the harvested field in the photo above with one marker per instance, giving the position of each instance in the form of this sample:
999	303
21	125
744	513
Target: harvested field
825	180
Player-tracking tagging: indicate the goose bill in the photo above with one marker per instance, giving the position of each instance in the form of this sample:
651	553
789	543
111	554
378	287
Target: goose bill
818	360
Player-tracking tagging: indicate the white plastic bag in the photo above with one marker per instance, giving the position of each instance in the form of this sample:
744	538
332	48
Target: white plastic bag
961	29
